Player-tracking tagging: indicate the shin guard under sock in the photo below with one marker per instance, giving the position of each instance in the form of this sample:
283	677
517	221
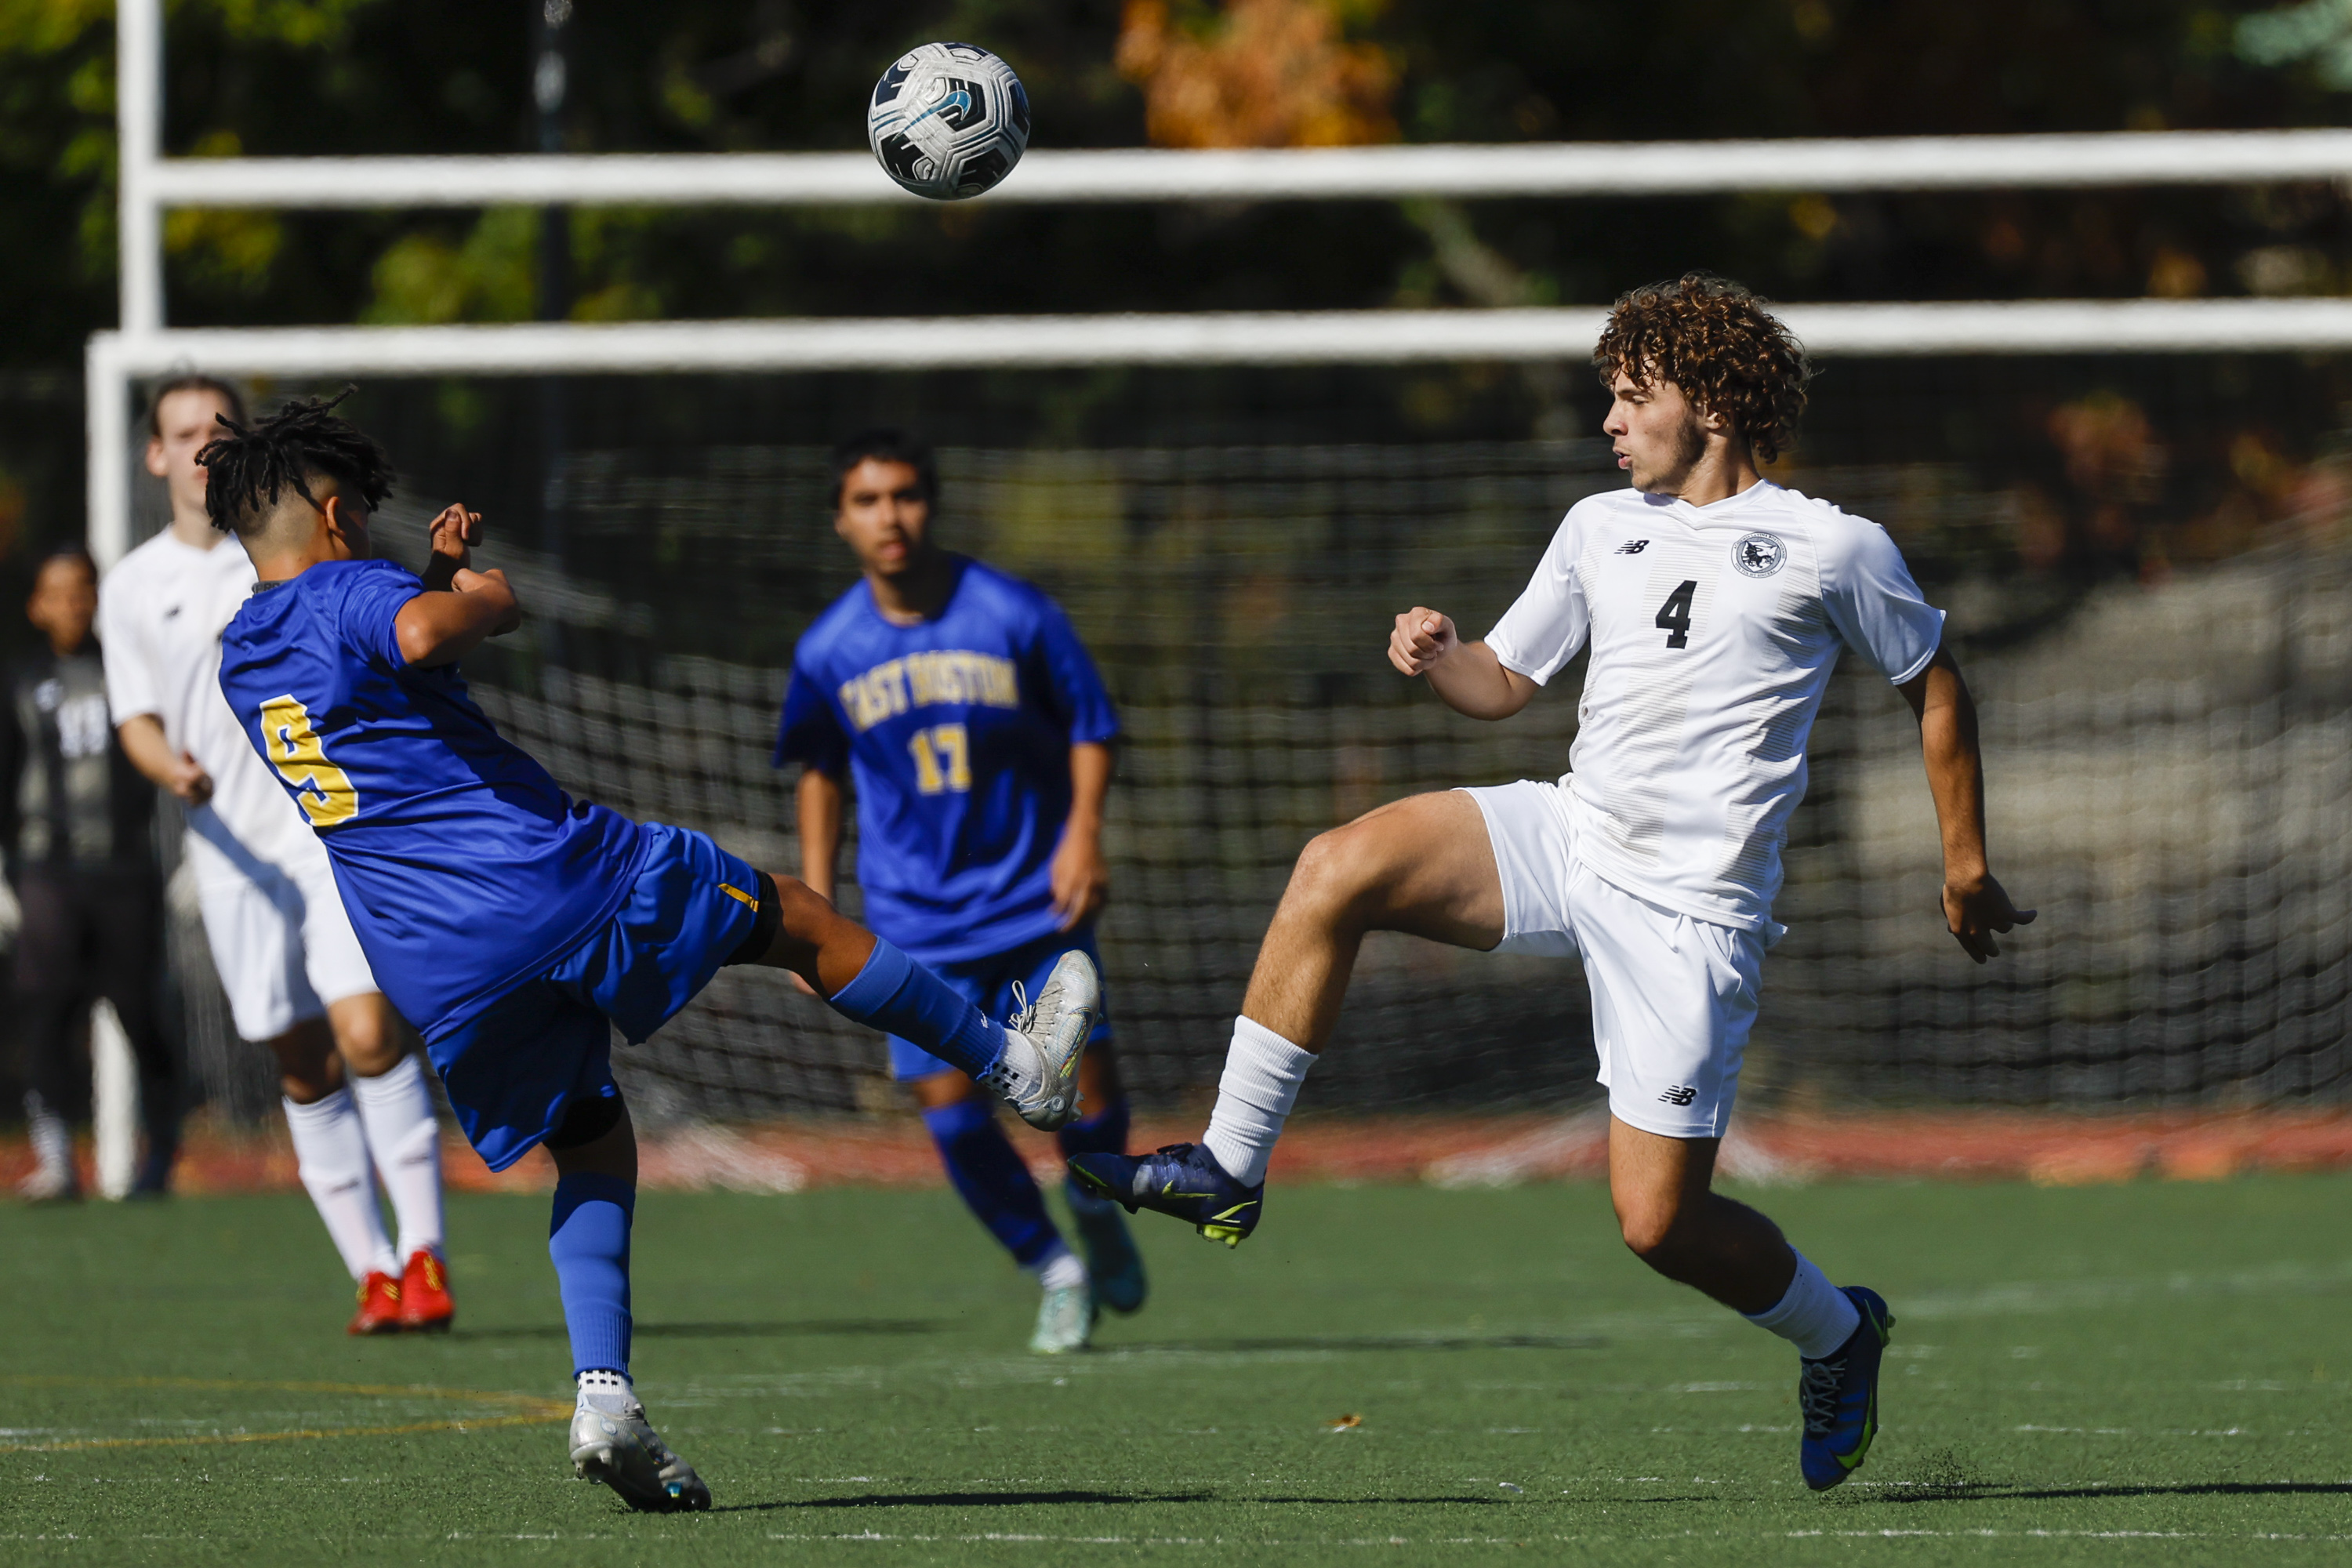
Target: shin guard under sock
993	1181
331	1152
588	1241
899	996
398	1109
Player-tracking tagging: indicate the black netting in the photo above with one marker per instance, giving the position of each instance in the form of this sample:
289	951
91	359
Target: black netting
2166	692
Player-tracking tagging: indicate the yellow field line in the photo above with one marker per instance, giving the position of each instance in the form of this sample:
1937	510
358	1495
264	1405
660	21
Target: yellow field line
533	1410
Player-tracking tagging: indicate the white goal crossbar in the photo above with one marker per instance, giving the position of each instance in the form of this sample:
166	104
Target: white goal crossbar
151	184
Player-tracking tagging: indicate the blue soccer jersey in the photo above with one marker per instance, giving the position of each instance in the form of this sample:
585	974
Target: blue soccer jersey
465	869
958	734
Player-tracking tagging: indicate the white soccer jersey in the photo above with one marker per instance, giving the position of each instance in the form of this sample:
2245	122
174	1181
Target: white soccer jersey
1714	631
161	613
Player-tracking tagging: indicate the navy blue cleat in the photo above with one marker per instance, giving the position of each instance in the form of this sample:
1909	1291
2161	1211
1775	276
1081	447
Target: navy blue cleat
1838	1396
1111	1257
1183	1180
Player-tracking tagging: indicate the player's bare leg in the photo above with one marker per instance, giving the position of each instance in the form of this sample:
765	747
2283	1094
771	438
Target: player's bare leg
1423	865
1677	1225
1033	1062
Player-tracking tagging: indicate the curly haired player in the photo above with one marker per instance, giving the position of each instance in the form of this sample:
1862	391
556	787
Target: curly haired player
1715	603
513	925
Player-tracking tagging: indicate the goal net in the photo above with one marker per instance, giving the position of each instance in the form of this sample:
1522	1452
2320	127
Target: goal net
2145	559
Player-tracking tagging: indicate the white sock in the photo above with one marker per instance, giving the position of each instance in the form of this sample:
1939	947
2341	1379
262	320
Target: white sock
1815	1315
397	1110
1263	1072
52	1139
330	1151
611	1393
1059	1269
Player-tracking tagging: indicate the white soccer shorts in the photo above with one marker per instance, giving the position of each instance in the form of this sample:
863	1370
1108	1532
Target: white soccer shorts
1672	996
279	937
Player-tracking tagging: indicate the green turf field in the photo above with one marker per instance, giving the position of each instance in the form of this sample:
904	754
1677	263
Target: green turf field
2154	1373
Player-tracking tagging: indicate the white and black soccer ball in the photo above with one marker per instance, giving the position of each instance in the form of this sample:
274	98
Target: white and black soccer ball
948	120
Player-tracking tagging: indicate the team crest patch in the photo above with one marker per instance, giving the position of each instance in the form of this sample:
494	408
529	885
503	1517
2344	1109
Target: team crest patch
1760	554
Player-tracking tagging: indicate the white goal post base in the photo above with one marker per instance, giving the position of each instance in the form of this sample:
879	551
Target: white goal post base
1325	337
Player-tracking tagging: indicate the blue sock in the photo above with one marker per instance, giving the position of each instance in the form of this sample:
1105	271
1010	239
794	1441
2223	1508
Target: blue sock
1104	1133
899	996
988	1171
589	1240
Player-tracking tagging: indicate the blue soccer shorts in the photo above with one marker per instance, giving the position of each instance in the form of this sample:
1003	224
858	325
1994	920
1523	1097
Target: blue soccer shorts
987	982
516	1066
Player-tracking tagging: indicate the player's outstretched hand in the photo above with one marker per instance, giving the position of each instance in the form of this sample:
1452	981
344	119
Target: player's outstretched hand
1421	638
493	582
1975	911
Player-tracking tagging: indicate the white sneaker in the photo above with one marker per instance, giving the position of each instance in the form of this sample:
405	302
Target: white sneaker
1038	1076
1066	1320
613	1443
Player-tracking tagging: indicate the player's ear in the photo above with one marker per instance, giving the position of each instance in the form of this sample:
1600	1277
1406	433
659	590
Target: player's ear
155	464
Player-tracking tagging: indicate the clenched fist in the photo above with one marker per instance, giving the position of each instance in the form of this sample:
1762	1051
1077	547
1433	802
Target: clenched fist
1421	638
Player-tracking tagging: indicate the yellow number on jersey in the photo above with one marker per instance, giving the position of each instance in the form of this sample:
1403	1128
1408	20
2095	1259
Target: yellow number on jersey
942	759
324	789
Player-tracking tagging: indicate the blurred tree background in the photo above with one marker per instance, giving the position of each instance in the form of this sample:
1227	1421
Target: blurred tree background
294	76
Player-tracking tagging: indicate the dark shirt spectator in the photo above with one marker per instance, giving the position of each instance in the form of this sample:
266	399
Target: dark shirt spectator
76	823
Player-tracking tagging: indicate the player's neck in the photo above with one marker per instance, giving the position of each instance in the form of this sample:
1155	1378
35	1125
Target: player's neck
1721	472
917	594
194	529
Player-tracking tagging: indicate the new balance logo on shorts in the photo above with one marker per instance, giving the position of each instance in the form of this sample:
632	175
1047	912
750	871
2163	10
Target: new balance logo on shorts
1681	1094
1633	549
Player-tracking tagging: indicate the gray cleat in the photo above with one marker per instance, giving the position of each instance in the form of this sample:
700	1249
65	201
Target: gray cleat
1039	1075
613	1443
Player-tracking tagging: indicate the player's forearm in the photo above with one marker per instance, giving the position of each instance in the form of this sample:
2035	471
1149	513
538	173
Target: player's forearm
1090	770
1472	681
1954	763
144	742
817	807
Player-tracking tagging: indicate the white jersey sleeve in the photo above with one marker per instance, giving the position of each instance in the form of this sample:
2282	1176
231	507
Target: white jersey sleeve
1875	606
124	619
1548	624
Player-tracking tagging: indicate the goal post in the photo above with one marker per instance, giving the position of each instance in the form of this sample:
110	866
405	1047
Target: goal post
2201	946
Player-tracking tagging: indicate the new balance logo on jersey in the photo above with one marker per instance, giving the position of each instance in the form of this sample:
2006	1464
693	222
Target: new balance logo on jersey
1681	1094
1635	548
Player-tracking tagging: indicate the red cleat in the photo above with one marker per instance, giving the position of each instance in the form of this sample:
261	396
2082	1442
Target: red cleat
425	1303
379	1310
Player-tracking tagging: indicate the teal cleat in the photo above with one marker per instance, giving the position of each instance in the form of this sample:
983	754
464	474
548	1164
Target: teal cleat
1183	1180
1838	1396
1112	1261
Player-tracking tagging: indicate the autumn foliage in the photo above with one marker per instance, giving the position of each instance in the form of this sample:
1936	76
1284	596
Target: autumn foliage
1255	73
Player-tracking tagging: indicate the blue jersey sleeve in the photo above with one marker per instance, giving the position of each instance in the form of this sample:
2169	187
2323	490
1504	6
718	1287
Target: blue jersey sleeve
811	732
1079	699
370	607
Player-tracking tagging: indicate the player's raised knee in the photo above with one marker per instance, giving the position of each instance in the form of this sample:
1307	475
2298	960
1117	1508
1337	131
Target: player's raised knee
1649	1228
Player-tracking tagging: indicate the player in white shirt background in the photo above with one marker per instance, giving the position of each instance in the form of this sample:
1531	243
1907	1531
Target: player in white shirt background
357	1102
1716	605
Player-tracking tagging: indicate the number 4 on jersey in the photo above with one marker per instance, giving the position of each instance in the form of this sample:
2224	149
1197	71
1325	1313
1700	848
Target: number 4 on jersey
1675	615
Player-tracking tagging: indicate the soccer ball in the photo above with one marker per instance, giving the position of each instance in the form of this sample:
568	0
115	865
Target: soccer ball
948	120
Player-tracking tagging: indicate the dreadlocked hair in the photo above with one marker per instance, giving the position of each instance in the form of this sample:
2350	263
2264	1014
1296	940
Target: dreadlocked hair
1714	340
248	468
